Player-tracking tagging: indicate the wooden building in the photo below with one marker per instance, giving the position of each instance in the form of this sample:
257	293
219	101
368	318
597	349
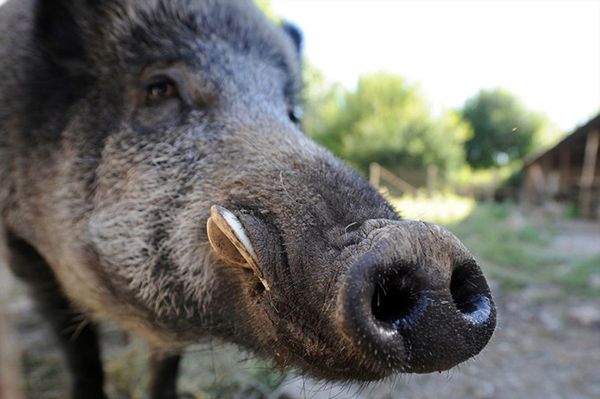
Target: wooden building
569	172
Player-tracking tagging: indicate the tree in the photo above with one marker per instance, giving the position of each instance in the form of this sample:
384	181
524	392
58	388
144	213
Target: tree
322	108
384	120
503	130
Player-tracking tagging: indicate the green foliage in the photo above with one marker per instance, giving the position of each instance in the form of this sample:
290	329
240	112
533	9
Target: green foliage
323	101
482	180
492	233
503	129
572	212
437	207
266	7
383	120
518	252
580	274
499	211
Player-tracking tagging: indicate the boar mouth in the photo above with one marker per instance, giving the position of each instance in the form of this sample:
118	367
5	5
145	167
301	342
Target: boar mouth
397	306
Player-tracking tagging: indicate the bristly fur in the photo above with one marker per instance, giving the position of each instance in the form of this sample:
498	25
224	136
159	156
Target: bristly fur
107	186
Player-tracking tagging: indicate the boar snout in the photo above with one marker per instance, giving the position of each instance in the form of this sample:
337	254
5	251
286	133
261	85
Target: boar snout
415	301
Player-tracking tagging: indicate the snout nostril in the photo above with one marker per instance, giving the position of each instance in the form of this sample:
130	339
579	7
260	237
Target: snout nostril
394	301
468	289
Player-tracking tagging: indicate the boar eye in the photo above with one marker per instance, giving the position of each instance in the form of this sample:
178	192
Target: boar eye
159	90
295	114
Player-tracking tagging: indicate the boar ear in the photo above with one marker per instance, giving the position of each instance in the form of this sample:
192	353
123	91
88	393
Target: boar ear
294	33
230	242
58	31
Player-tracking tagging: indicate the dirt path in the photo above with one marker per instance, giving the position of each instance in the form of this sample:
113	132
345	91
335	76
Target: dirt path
579	237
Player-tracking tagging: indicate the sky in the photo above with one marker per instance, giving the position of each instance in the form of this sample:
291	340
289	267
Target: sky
545	52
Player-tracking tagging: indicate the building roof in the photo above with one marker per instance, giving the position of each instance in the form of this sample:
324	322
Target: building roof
578	137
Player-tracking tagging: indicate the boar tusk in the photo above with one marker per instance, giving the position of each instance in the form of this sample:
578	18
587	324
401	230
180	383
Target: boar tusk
223	246
229	240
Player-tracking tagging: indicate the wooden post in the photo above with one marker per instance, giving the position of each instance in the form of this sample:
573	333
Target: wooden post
10	370
492	189
374	174
564	162
432	172
537	181
10	367
588	173
396	181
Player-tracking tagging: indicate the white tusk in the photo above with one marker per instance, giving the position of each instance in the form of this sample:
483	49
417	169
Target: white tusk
238	230
224	223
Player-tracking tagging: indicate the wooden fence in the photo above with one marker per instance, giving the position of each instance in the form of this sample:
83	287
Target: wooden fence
378	175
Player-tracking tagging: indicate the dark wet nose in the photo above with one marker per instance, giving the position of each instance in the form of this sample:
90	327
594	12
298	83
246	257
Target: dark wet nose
410	317
400	297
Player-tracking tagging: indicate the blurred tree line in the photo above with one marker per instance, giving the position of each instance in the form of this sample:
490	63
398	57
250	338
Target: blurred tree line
384	120
387	120
504	130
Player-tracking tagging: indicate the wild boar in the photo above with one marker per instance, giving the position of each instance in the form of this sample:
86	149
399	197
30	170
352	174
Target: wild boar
154	173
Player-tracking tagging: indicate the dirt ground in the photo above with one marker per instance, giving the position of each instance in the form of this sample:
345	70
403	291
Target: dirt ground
538	351
547	346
